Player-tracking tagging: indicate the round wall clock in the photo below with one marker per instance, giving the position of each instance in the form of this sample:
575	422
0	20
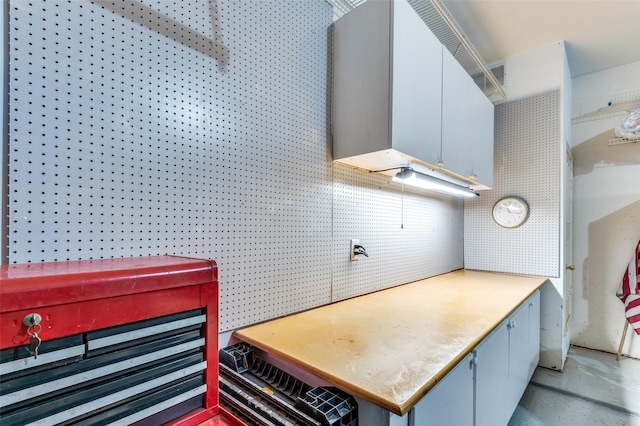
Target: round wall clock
511	212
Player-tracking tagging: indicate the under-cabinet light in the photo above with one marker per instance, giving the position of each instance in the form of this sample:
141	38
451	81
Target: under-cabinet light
410	177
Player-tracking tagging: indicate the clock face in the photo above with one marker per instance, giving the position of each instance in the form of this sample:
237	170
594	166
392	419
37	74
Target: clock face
510	212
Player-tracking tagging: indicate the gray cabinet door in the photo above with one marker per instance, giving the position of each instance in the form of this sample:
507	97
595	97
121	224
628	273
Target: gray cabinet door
492	379
534	333
417	86
519	357
450	402
467	124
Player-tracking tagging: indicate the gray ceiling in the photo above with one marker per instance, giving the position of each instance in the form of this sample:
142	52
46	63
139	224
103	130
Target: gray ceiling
599	34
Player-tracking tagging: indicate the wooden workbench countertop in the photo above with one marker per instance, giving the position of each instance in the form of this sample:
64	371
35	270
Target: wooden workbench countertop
391	347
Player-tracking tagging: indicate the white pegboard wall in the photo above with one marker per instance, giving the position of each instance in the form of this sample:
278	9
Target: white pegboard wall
199	129
189	128
408	236
527	164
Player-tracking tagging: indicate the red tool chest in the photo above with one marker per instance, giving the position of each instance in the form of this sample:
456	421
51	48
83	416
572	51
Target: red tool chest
126	341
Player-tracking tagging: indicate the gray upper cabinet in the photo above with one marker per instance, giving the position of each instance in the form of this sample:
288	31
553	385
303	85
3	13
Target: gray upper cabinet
390	107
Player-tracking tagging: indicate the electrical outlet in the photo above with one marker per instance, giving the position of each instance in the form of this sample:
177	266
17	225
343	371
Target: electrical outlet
353	243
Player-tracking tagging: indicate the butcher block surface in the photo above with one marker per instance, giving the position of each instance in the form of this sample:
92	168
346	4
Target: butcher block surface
391	347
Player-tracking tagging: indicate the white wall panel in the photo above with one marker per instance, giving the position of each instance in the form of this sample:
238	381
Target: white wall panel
526	164
200	128
408	236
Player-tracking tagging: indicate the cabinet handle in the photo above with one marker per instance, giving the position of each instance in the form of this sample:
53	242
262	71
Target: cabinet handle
473	362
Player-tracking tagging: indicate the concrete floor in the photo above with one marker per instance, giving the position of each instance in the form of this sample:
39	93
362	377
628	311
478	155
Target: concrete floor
594	389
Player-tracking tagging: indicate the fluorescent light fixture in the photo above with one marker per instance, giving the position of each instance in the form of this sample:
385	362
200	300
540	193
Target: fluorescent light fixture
410	177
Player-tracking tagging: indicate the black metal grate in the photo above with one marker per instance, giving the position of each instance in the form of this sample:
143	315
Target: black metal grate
262	394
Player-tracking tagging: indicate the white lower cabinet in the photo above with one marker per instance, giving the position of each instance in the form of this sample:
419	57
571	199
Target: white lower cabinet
485	387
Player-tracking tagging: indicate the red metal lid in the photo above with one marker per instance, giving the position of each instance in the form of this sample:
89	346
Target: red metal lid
31	285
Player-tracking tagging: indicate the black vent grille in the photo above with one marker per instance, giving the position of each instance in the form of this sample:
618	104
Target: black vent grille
261	394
